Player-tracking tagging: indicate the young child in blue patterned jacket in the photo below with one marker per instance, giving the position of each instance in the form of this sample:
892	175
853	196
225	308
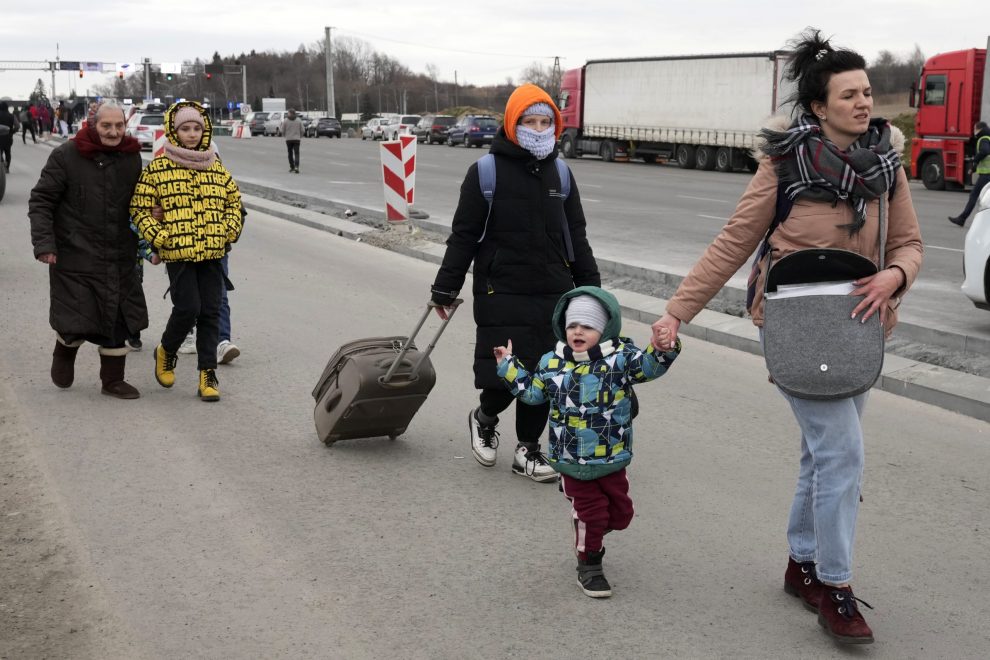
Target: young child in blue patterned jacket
587	379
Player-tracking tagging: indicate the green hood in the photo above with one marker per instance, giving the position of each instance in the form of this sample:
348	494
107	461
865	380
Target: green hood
608	301
170	127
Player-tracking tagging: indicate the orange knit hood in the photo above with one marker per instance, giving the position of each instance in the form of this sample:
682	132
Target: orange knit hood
525	96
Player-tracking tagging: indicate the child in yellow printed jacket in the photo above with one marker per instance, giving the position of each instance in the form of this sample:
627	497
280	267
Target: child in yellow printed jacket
202	217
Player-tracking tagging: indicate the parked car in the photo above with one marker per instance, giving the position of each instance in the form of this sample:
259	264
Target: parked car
256	120
308	123
976	255
432	129
328	126
473	131
273	125
401	125
374	129
141	127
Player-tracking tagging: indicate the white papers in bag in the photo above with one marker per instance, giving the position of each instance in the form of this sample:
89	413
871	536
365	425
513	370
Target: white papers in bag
817	289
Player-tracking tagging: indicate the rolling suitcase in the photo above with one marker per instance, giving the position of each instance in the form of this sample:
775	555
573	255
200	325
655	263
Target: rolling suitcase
373	387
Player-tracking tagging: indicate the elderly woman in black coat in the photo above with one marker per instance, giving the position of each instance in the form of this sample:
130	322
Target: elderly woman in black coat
529	247
80	228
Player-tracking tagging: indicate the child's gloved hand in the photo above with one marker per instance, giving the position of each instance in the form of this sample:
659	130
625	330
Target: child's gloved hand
502	352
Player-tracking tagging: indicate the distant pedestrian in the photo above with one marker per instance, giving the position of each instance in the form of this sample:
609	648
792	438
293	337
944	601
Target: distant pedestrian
35	117
982	160
586	380
292	131
522	265
80	228
9	120
27	124
202	217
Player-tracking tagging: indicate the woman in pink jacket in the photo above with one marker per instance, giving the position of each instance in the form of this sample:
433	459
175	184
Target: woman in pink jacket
835	162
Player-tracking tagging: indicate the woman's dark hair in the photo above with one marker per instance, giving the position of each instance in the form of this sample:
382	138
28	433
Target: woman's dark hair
813	62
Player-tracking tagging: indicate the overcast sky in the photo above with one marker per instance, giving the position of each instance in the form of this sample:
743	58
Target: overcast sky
484	42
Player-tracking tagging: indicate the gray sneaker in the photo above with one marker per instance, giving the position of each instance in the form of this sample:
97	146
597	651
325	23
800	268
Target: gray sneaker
484	439
188	346
226	352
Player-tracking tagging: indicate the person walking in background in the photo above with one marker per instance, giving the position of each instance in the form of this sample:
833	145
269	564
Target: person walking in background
36	118
7	141
81	229
982	169
586	380
292	130
834	164
202	216
27	124
529	248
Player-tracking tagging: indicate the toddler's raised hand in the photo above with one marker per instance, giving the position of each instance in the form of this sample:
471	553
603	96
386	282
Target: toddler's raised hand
502	352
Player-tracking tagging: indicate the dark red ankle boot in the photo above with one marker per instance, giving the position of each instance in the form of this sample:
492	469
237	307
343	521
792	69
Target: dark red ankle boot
801	581
839	614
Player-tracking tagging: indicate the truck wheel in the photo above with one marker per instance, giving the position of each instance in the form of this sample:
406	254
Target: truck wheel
933	172
705	158
567	146
685	157
723	159
608	151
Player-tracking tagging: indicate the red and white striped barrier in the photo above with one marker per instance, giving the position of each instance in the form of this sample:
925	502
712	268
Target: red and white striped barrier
159	145
241	130
409	165
394	179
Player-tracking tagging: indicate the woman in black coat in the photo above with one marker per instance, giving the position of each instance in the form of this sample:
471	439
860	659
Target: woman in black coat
80	227
523	263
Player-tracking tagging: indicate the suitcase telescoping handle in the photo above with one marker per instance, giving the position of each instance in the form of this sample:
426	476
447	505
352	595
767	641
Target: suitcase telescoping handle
430	306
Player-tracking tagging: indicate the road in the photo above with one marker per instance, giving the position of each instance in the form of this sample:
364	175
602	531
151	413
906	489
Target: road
181	529
651	215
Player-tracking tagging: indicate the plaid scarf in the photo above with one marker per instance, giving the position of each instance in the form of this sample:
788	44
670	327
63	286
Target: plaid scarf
814	168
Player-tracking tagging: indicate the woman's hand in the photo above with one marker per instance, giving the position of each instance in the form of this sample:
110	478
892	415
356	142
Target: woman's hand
155	259
665	332
876	291
47	258
502	352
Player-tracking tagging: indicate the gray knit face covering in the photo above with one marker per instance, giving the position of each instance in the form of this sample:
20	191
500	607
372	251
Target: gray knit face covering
538	143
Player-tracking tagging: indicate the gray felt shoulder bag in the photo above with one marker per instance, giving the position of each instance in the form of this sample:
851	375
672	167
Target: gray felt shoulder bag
813	348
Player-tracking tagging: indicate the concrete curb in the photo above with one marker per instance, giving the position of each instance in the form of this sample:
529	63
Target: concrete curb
959	392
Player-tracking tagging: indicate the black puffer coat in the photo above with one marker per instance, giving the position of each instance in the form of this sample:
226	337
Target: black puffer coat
79	212
521	267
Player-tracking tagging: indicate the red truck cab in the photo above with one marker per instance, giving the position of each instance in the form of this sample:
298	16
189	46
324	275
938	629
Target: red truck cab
951	91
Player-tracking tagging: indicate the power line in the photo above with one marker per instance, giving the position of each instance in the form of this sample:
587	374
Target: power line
448	50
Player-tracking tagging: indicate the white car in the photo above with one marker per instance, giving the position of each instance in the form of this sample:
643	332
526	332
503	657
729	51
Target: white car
401	125
141	126
273	125
976	255
374	129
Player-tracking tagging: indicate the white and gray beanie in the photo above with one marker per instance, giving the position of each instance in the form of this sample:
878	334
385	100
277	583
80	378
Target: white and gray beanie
587	311
538	143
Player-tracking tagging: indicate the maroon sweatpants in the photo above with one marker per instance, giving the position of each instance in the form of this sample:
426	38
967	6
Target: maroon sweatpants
598	507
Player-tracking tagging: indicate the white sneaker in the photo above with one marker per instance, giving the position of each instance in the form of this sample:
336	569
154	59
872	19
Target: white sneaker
226	352
189	344
533	465
484	440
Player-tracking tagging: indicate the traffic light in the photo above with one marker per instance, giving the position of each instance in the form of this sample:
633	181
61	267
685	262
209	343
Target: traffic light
120	74
209	76
168	76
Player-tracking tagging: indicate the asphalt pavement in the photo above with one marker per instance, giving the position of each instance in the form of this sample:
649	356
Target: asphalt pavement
228	530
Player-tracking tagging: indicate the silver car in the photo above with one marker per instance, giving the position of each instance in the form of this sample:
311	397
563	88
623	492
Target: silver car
141	126
976	254
374	129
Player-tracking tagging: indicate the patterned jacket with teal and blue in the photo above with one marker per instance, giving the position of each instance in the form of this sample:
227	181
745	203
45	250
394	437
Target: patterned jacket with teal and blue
591	431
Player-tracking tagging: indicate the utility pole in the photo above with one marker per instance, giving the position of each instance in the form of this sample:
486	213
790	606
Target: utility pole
244	84
455	86
147	80
555	76
331	110
54	66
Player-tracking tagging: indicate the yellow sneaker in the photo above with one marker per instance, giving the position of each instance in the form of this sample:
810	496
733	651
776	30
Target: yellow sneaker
165	366
209	386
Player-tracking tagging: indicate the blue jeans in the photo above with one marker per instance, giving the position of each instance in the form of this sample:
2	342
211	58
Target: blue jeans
822	523
224	305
